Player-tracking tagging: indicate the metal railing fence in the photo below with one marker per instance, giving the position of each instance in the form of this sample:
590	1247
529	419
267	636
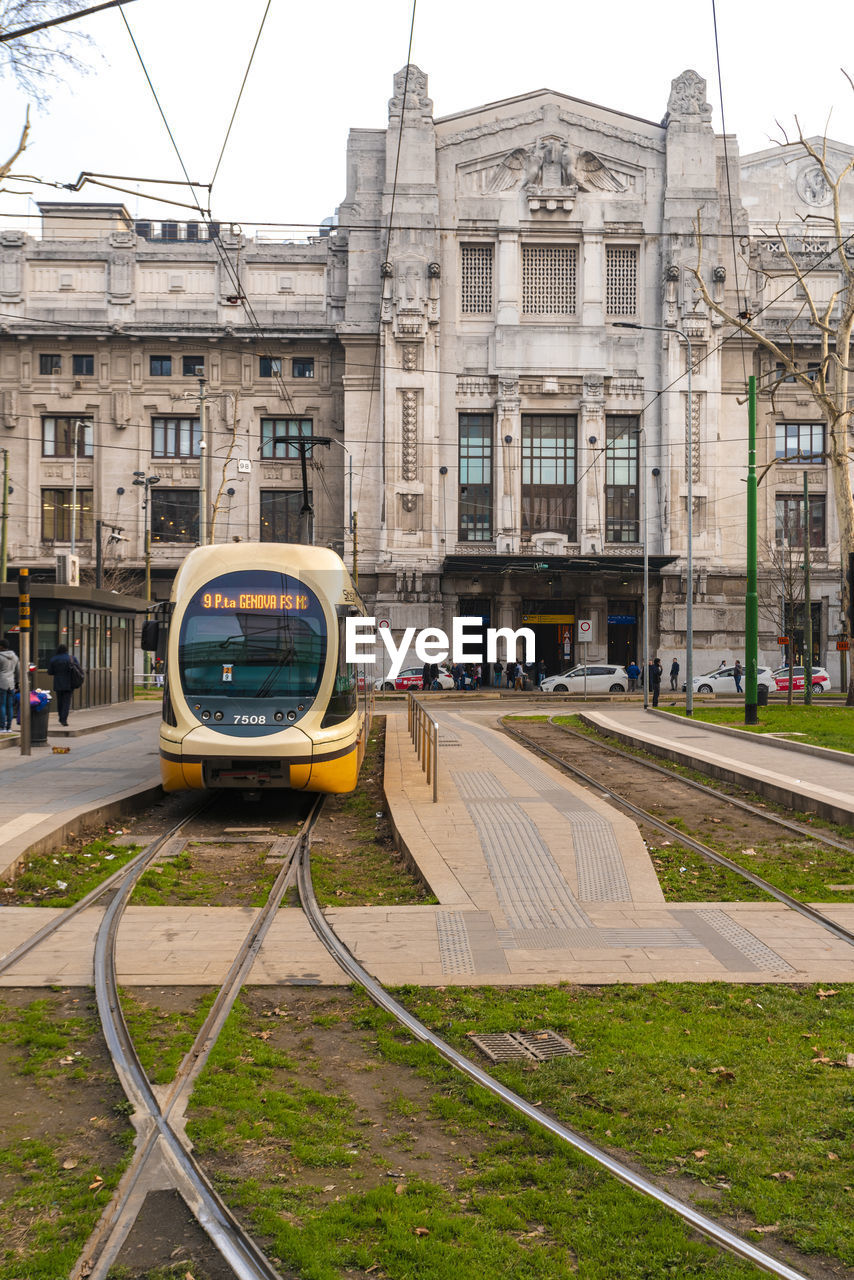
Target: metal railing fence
424	732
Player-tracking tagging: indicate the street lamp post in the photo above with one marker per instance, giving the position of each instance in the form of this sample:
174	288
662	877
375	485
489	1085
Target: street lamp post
689	601
140	478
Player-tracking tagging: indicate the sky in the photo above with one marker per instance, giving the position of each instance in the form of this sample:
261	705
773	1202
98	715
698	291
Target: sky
323	68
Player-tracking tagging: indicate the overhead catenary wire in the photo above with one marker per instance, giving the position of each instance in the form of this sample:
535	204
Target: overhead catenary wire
239	96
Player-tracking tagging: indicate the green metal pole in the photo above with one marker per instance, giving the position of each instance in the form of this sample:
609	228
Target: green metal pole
751	604
807	597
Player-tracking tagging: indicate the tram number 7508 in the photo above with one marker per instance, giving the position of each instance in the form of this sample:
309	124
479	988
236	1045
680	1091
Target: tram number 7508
250	719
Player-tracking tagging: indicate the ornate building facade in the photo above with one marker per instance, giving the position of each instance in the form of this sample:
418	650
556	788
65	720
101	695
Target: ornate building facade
496	340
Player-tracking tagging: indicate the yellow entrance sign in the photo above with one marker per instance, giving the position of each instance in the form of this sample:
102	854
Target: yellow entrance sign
548	617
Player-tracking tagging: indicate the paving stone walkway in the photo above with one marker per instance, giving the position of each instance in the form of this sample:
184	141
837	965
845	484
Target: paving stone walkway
537	881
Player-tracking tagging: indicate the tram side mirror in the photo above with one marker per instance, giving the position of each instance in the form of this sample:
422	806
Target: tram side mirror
150	635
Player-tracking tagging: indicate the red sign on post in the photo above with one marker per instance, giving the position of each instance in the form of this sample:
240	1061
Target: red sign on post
782	639
842	645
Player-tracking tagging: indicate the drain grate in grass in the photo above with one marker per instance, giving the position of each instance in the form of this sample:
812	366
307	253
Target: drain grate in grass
538	1046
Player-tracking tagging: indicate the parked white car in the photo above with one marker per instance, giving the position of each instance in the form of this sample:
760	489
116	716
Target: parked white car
600	679
723	680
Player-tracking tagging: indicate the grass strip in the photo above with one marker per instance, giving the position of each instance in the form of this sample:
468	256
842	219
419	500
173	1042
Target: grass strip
668	1075
354	862
62	878
64	1136
819	725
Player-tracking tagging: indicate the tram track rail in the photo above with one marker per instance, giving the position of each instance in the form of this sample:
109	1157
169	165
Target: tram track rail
162	1151
705	851
161	1156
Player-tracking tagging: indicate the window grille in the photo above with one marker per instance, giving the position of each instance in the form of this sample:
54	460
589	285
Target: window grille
476	282
621	281
549	274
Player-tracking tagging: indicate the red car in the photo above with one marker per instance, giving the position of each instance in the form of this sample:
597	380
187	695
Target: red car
820	679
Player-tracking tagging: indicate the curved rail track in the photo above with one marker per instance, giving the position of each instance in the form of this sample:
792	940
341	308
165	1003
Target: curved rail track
161	1156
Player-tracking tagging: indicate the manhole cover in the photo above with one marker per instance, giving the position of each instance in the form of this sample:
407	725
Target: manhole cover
537	1046
546	1044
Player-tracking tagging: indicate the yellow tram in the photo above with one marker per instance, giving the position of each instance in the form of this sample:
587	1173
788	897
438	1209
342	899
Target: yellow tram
258	693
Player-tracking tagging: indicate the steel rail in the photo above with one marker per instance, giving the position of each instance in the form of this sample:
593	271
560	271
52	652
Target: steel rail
139	862
720	1235
158	1138
796	827
711	855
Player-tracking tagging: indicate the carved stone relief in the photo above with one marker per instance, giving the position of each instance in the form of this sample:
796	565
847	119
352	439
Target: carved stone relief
687	101
413	82
812	186
692	437
409	435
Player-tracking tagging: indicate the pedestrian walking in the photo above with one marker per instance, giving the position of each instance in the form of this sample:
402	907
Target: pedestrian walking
67	676
497	668
9	667
737	673
519	681
674	674
655	673
633	672
541	671
425	677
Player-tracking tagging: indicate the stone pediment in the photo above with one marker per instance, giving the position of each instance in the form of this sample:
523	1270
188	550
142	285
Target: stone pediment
548	169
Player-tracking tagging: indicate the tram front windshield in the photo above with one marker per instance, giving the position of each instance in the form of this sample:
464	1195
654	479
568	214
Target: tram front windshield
253	634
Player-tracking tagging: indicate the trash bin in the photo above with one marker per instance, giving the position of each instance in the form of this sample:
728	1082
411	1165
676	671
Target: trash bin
762	696
38	725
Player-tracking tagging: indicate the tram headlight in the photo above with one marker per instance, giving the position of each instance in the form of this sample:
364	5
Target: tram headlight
217	715
206	715
292	715
278	715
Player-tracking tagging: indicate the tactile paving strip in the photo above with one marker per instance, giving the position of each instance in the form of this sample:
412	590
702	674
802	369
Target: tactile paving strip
760	955
530	886
454	950
479	785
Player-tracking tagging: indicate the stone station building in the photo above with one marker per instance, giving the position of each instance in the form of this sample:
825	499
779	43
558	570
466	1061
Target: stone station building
504	370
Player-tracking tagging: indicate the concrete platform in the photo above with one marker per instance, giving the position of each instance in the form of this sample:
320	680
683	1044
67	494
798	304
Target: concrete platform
813	780
538	881
112	764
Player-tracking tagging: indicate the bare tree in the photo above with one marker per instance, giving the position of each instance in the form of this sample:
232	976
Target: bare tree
781	586
830	328
6	165
38	61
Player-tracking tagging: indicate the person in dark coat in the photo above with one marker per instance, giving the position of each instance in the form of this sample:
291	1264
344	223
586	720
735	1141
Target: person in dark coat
60	667
655	673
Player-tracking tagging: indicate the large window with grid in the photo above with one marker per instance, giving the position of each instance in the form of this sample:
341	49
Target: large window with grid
800	442
57	506
174	515
621	280
622	507
476	280
58	437
176	437
475	497
549	276
789	530
548	474
280	510
279	437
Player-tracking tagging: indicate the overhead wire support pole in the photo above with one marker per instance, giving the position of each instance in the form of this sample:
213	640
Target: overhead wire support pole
751	602
807	599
